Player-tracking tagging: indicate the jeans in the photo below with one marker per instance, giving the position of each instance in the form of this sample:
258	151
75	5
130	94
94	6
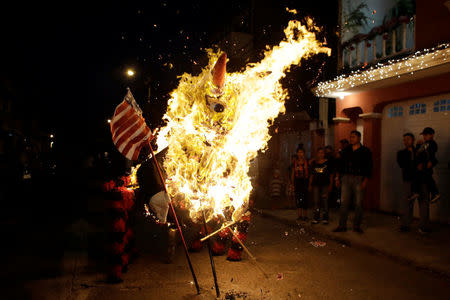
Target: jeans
424	205
320	196
351	186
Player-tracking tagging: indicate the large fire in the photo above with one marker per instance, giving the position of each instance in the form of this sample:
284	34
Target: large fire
216	123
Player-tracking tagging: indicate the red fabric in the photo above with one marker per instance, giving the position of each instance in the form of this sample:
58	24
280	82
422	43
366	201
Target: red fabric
115	271
234	255
224	233
196	246
246	218
128	235
241	236
218	248
115	205
126	180
117	248
127	197
119	225
125	259
109	186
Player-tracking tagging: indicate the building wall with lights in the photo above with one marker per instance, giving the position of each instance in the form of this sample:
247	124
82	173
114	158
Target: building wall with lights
375	100
394	94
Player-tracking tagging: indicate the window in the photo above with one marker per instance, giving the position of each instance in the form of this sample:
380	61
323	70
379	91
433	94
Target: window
441	105
396	111
417	109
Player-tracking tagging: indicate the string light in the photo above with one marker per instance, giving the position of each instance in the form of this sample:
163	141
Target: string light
394	67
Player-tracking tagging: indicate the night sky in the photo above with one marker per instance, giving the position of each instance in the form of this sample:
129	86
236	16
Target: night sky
66	63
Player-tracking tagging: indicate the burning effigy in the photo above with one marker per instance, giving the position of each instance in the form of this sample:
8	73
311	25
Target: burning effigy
217	122
215	125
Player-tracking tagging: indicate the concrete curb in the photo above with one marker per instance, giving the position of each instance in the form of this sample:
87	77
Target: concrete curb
357	245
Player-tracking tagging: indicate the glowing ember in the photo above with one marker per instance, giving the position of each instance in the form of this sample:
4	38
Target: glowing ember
215	125
133	176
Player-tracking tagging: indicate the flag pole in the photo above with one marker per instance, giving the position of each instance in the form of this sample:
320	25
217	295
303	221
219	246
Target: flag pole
213	267
176	219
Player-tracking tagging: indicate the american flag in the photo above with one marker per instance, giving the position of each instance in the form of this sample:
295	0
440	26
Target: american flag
128	128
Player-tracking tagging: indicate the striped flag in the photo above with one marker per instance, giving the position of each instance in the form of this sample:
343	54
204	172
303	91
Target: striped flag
128	128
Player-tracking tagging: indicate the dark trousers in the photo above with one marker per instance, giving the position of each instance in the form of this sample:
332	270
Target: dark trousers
301	191
320	196
408	206
425	177
351	187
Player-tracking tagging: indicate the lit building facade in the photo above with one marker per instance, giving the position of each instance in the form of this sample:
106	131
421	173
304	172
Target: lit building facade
395	79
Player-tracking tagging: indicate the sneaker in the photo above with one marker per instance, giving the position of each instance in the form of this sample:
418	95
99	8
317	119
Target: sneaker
435	198
404	229
358	229
340	229
325	221
315	221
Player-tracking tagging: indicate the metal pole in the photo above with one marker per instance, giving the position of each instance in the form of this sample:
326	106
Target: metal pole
176	219
213	267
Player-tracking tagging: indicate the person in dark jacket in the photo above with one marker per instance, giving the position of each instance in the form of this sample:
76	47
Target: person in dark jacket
299	177
355	169
426	159
406	159
320	184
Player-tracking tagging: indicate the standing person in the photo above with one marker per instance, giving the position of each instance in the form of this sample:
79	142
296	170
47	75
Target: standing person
355	168
321	183
406	160
276	187
300	179
426	155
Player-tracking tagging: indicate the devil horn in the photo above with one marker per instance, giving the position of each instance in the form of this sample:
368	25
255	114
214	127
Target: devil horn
219	70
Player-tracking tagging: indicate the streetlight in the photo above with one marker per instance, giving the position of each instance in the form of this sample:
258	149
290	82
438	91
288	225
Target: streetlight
130	72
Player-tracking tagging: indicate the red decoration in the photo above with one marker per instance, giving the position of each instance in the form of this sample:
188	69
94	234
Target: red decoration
241	236
352	48
115	271
234	255
115	205
117	248
224	233
128	235
126	180
218	248
385	36
196	246
125	259
368	44
109	186
119	225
